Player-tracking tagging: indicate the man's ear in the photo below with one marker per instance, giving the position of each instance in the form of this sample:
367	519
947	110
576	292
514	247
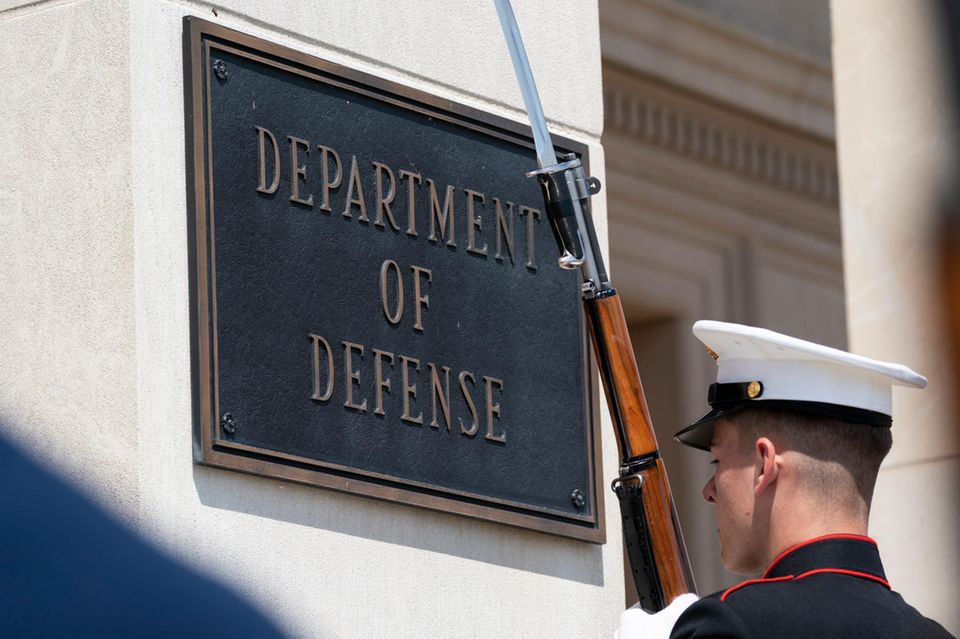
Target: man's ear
768	465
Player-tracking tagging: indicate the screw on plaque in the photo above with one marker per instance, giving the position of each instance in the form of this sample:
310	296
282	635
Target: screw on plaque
220	70
578	498
228	423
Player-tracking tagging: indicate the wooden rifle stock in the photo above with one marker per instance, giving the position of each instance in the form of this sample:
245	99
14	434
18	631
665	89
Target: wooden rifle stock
659	560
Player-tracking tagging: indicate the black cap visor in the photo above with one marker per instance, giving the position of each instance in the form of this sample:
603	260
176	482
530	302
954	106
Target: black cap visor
699	434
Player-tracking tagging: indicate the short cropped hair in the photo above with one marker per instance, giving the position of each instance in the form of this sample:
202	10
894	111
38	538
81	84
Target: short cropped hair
830	444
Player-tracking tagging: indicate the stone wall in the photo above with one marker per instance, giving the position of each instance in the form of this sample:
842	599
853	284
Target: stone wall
95	347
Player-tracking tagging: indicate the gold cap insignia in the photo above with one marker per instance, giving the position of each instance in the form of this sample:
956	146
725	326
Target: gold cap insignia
754	389
711	353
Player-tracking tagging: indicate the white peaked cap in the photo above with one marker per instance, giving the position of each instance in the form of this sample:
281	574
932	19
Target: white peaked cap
757	367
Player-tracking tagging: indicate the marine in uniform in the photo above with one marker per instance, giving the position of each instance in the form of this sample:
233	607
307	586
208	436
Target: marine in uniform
797	431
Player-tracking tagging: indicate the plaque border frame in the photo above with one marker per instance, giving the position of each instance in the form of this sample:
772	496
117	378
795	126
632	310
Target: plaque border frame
209	448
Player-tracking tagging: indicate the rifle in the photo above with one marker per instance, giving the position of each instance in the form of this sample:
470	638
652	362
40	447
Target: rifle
654	542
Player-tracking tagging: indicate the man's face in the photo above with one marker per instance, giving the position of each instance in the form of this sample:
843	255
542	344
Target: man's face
731	490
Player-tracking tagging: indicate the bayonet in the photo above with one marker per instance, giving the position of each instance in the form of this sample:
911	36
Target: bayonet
566	188
528	88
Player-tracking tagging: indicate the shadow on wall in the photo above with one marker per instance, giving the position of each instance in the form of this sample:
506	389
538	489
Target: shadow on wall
401	525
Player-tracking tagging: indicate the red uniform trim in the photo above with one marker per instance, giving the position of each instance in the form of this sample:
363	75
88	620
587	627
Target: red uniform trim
844	571
753	581
813	541
817	571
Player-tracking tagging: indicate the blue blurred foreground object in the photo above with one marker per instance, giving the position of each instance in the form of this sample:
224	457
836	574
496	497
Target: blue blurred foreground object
69	570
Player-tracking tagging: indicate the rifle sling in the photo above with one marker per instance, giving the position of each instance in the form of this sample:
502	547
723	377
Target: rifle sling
637	541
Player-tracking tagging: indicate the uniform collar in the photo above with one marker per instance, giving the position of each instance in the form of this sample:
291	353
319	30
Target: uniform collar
855	555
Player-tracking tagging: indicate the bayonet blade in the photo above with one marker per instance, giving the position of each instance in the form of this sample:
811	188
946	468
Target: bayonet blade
528	88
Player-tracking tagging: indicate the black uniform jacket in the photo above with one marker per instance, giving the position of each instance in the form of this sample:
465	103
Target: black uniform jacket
832	586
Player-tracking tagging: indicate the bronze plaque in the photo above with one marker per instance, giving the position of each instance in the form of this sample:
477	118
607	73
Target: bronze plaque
377	303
